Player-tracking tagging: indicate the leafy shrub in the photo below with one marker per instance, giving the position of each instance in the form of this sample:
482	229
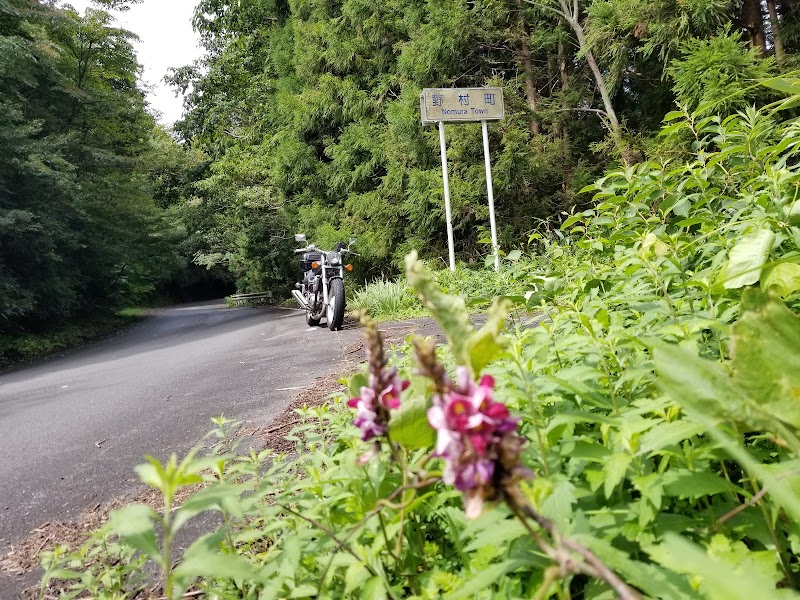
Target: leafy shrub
719	72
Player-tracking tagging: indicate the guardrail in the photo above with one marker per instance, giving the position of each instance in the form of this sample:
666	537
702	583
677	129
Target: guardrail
256	298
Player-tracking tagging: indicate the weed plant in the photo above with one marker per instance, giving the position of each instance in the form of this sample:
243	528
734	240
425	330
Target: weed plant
658	401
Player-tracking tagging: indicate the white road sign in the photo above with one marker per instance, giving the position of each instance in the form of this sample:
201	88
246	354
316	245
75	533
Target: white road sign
458	105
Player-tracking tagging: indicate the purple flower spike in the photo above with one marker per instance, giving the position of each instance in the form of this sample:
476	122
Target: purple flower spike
381	395
477	439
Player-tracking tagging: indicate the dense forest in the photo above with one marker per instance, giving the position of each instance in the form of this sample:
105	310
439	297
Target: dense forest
304	116
90	185
309	112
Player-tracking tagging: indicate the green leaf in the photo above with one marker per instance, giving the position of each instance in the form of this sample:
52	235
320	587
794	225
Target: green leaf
672	115
305	590
615	469
782	84
409	423
486	343
717	578
484	579
355	577
357	381
698	384
683	483
135	525
205	559
783	279
206	499
704	389
374	589
514	255
654	580
449	311
766	363
666	434
747	258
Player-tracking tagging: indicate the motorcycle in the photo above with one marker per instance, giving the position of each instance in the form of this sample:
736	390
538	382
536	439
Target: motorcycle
321	292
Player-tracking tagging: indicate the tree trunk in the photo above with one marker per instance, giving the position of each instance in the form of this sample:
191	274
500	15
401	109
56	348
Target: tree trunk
775	27
524	51
753	21
564	76
571	16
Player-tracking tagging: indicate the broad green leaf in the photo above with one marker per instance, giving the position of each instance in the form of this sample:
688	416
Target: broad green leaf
514	255
204	558
716	578
486	343
747	258
783	84
708	394
206	499
305	591
683	483
699	384
357	381
672	115
655	581
374	589
355	577
615	468
766	363
783	279
409	424
484	579
135	525
667	434
470	348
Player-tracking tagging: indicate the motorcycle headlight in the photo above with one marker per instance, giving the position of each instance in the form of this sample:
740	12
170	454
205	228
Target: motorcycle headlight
334	258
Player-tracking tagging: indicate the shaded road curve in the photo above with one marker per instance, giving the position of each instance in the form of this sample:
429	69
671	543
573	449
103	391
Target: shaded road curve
72	429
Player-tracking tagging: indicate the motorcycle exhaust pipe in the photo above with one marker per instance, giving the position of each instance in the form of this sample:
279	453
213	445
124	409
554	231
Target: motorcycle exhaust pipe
299	297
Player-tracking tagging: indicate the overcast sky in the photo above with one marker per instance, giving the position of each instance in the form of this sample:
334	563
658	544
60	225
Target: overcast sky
167	40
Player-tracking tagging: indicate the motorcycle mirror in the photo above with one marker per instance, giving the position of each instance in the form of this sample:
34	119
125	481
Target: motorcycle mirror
353	241
299	237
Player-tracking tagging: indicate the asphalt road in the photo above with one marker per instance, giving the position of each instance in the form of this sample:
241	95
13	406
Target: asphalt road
150	390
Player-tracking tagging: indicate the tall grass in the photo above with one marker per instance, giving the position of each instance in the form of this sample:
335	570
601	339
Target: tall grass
386	300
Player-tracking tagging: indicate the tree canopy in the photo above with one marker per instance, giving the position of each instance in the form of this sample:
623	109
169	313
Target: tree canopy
309	112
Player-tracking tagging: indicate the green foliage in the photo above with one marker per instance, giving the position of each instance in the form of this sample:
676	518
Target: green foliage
80	232
719	73
26	346
387	300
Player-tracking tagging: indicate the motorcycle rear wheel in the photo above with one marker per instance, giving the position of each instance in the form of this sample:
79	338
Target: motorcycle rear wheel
335	313
311	322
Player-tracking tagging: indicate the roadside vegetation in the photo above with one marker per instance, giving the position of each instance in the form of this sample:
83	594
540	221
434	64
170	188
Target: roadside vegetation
651	448
22	347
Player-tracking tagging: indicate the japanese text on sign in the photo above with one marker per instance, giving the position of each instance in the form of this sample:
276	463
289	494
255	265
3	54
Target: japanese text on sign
453	105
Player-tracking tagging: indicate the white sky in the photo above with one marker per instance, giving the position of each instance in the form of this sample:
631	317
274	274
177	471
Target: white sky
167	40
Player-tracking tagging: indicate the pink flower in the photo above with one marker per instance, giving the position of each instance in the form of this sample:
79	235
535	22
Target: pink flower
374	403
477	438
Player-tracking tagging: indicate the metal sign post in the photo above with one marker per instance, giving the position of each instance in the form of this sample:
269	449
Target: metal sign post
464	105
448	213
490	192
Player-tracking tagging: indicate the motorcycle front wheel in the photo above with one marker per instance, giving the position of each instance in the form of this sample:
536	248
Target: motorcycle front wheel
335	313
